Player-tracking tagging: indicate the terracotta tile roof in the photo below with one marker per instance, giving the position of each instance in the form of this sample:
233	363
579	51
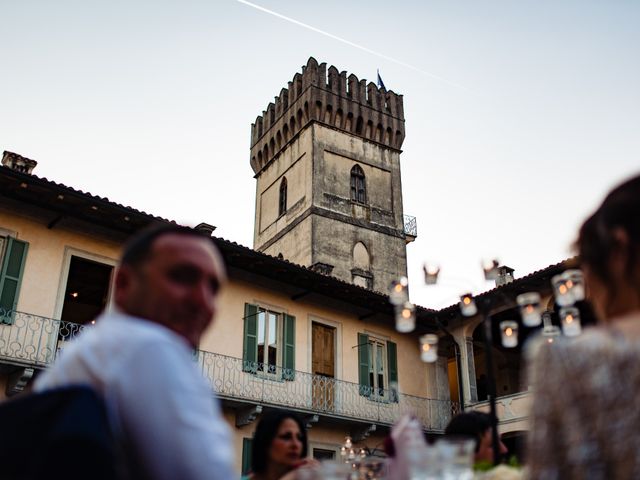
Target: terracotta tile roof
297	280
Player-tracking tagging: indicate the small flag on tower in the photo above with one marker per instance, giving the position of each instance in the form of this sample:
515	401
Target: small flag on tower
380	82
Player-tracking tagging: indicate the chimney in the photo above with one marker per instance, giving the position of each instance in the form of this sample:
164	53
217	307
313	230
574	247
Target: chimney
18	162
205	228
505	275
323	268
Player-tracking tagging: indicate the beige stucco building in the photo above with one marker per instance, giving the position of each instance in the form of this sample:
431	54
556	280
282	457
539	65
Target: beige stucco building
302	324
285	336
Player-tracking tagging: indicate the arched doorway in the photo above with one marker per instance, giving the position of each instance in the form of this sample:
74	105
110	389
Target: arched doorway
515	442
507	362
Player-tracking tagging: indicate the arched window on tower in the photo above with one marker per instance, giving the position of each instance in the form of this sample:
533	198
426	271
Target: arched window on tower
282	203
358	185
361	271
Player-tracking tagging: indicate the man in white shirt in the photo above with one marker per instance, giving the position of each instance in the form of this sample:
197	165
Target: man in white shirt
139	358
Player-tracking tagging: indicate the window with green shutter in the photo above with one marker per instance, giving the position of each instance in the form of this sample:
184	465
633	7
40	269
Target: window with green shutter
392	368
288	354
363	364
269	343
11	270
247	443
250	345
377	368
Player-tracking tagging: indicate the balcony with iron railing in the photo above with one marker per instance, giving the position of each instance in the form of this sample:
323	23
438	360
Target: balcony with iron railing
410	228
234	379
31	340
35	341
512	410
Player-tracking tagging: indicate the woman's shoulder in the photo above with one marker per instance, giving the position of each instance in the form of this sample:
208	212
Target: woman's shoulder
593	344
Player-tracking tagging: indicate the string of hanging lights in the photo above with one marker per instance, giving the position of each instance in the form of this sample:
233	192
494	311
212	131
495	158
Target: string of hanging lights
568	288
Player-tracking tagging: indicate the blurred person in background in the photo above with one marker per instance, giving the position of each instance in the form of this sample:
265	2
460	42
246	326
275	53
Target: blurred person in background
139	359
279	447
586	390
476	425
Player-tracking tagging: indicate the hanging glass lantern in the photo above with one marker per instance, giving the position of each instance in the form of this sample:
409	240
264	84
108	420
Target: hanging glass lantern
430	274
399	291
550	332
575	284
561	290
468	305
530	310
429	348
406	318
491	269
509	331
570	319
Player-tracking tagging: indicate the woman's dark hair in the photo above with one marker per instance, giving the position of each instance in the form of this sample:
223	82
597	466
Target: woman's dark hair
471	424
597	240
266	431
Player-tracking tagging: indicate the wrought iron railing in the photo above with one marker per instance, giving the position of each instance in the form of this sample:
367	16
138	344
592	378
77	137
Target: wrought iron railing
410	226
28	339
32	340
232	378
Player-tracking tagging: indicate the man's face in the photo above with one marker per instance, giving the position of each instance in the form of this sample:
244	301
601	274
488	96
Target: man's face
485	449
177	286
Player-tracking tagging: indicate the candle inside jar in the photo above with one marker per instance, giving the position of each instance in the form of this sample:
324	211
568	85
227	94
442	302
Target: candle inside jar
509	334
571	326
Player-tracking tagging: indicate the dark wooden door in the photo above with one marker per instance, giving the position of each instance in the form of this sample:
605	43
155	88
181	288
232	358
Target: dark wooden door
323	366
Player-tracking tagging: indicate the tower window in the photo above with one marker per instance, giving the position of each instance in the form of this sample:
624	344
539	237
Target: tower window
282	204
358	185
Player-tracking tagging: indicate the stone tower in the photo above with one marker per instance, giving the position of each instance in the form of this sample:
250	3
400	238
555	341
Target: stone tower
326	157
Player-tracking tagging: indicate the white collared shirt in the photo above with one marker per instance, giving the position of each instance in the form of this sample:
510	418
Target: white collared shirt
154	394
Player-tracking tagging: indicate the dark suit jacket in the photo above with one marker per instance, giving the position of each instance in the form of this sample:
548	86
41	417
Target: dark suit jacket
62	433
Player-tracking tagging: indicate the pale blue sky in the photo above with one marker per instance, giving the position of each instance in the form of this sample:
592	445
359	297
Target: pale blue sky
150	104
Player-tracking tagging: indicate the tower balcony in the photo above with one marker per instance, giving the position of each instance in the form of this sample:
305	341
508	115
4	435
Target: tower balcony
410	228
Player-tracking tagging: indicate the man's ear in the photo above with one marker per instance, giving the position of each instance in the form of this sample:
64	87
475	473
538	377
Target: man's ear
123	284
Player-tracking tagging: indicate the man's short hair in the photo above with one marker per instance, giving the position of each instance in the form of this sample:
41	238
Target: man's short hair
138	248
470	424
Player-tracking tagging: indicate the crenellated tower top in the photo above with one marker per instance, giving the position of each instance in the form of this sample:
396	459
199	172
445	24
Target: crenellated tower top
334	99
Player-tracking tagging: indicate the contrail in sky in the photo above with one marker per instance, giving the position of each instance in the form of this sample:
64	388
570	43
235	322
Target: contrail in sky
355	45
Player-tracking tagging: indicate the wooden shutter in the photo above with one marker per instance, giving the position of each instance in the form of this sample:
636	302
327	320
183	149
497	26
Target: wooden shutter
247	443
250	345
10	278
392	365
288	356
363	364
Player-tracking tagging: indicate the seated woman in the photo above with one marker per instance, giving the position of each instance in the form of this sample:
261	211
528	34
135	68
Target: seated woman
279	447
476	425
586	405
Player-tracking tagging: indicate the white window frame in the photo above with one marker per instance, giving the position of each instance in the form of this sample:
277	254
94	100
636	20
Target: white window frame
5	233
383	339
279	341
373	376
64	276
325	446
